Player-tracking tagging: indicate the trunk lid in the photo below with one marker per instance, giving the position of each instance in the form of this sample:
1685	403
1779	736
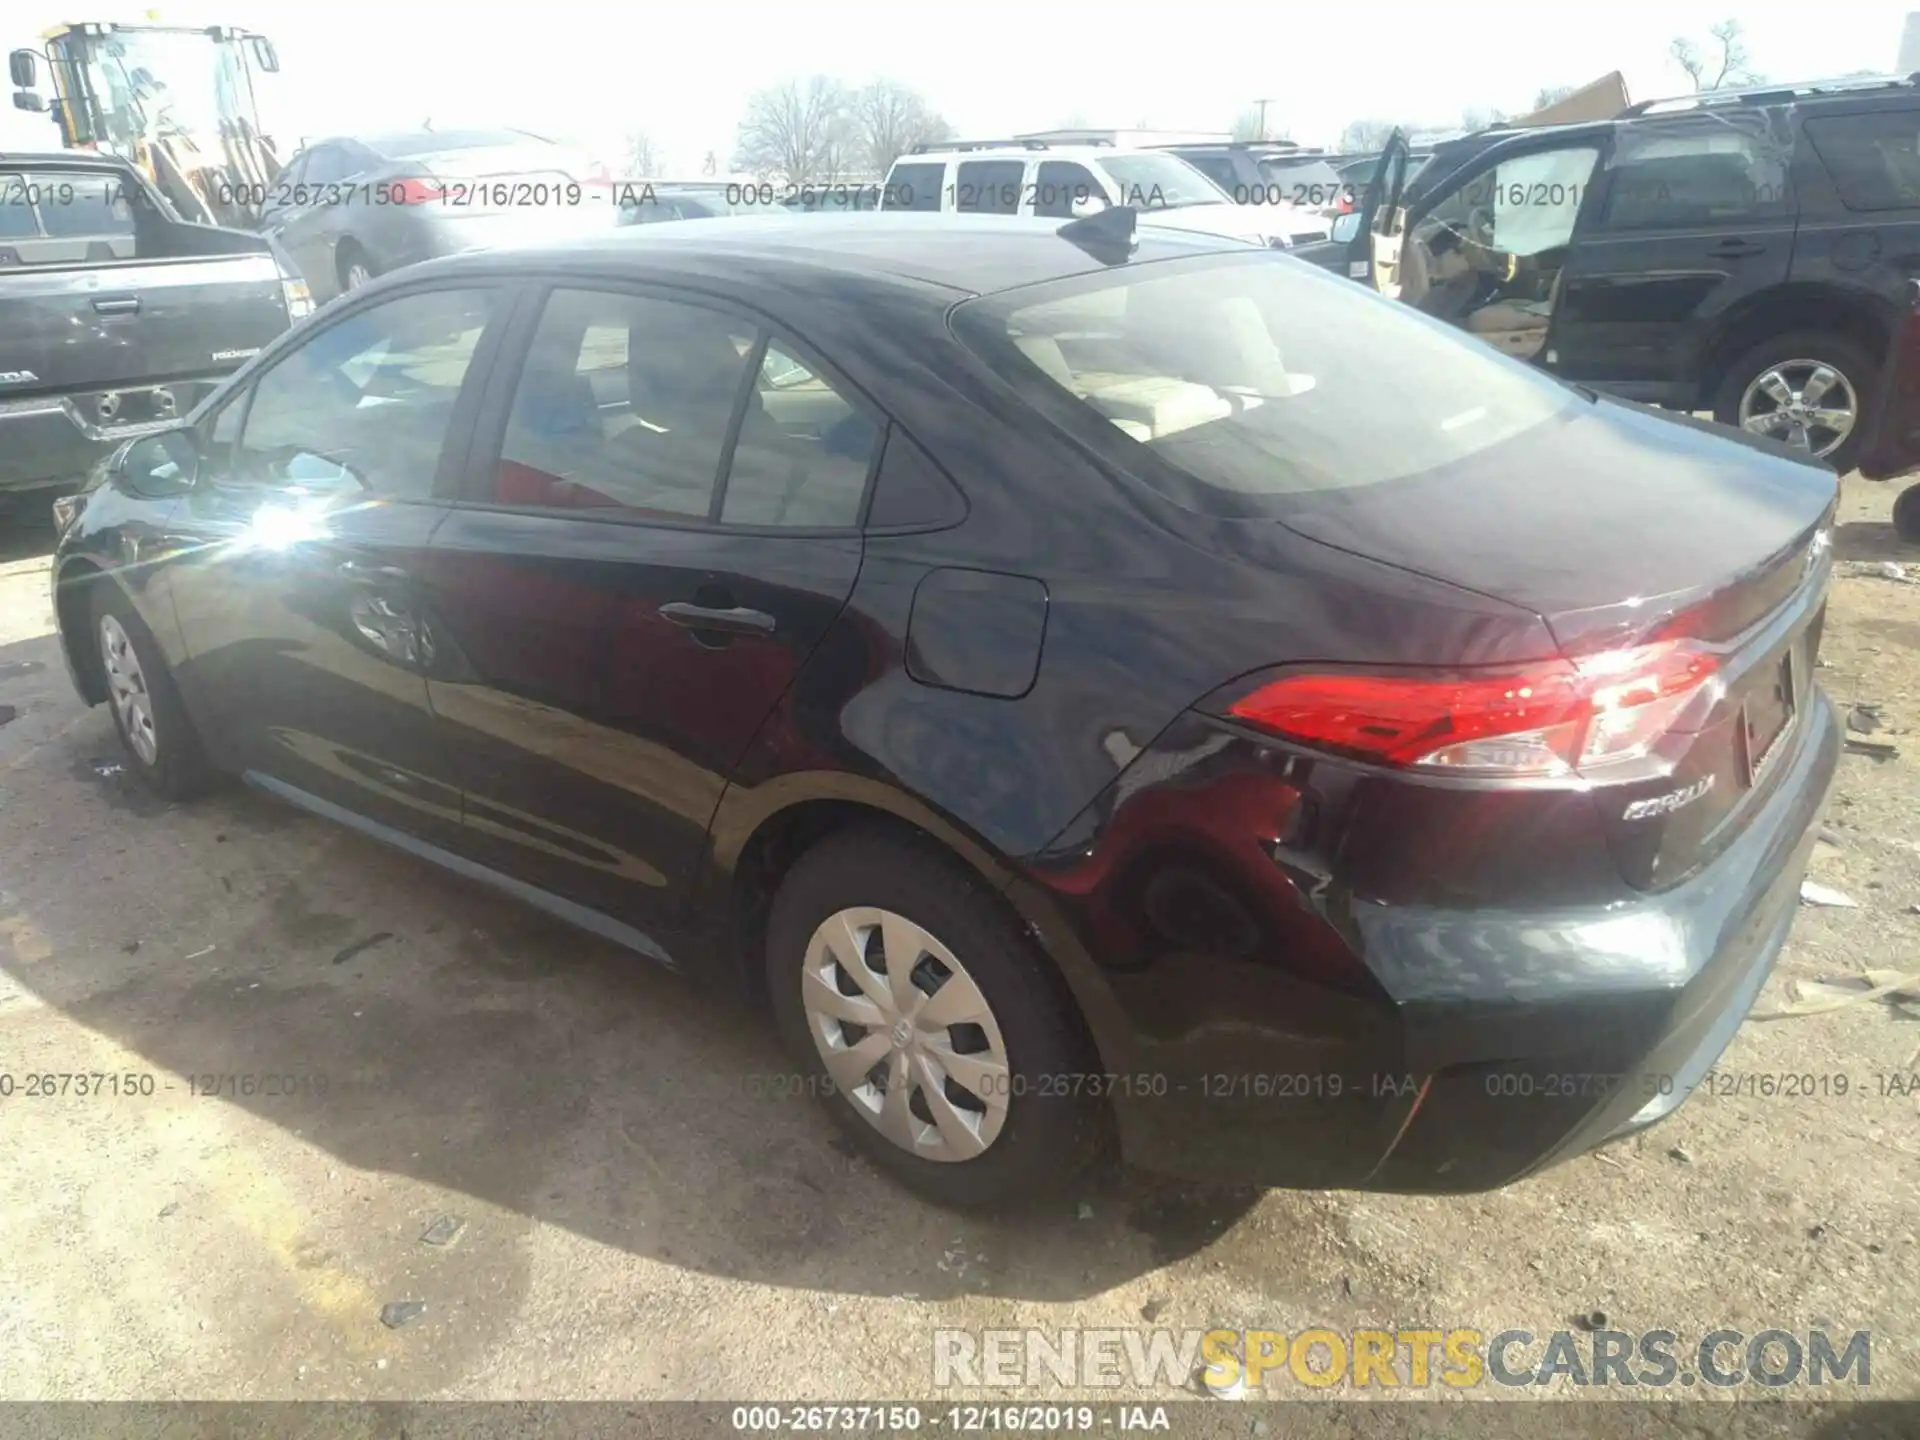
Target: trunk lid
1622	526
491	179
1606	522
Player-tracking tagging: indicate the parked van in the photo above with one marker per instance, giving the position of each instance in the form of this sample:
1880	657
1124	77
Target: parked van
1031	177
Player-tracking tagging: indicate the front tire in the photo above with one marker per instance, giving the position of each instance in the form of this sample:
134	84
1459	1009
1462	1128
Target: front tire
163	747
1806	389
942	1043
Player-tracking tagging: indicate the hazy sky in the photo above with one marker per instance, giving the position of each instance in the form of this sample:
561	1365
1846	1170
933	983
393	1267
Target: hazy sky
682	72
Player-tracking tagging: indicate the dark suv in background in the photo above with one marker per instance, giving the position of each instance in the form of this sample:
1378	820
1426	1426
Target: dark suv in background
1744	252
1269	172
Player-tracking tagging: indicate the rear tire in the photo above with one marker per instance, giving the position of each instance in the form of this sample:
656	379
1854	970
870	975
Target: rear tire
355	269
162	746
1906	514
884	890
1742	395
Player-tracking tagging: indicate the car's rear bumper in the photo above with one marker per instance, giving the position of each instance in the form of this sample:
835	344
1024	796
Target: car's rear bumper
1485	1044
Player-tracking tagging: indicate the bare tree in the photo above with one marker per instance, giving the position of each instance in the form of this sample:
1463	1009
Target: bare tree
1725	62
1551	95
642	158
1365	135
891	119
1247	126
803	131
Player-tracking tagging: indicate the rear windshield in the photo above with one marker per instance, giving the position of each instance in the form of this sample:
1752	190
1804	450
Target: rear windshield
1250	385
61	217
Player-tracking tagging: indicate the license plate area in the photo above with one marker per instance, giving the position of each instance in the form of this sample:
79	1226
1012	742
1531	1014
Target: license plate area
1766	718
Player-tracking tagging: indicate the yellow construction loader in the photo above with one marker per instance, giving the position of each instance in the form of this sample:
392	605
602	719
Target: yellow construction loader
177	101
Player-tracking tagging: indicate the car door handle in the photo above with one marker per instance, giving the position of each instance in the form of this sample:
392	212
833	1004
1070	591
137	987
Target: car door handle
734	620
1736	249
358	570
117	305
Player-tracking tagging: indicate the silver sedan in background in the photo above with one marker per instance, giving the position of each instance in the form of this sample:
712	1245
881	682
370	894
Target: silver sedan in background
350	208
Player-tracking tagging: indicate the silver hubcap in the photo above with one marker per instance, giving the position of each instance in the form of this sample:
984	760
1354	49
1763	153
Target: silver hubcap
128	688
905	1034
1807	403
357	275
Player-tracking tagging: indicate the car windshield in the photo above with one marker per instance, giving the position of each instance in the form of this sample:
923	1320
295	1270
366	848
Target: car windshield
1161	182
1249	386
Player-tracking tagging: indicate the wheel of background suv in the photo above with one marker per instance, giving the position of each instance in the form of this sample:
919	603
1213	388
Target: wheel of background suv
355	269
159	738
935	1034
1906	513
1806	389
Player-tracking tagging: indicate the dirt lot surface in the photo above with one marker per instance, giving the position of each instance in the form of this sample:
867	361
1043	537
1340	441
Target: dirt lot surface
639	1223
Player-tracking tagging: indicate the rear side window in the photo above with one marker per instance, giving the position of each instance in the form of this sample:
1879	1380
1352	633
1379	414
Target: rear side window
74	206
989	187
1702	174
914	187
63	205
1234	383
1217	168
1874	159
17	220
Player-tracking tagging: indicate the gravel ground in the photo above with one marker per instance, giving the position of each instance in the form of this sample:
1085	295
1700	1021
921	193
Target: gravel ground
638	1223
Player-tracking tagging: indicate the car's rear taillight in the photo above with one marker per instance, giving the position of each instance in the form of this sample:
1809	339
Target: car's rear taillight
1561	718
414	191
299	298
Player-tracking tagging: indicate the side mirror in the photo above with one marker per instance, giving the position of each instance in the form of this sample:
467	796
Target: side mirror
1346	227
24	69
158	465
1087	205
27	100
264	55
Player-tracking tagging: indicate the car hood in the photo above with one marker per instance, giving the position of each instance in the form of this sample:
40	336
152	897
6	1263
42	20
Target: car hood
1605	521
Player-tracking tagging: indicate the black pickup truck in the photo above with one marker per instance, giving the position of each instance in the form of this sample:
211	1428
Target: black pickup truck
116	316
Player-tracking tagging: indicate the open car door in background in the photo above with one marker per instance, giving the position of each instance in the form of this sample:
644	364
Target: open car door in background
1372	233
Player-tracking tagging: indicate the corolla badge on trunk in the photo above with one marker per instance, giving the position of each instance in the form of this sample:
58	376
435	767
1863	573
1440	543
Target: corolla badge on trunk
1668	803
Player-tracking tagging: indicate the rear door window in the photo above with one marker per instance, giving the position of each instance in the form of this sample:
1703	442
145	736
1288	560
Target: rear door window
1697	174
989	187
624	405
1060	184
914	187
1874	158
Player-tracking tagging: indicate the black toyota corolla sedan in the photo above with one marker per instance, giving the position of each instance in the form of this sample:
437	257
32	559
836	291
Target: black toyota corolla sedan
1096	688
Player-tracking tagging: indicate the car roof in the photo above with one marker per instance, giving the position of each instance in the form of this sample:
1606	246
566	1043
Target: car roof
428	142
70	159
969	254
1026	152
